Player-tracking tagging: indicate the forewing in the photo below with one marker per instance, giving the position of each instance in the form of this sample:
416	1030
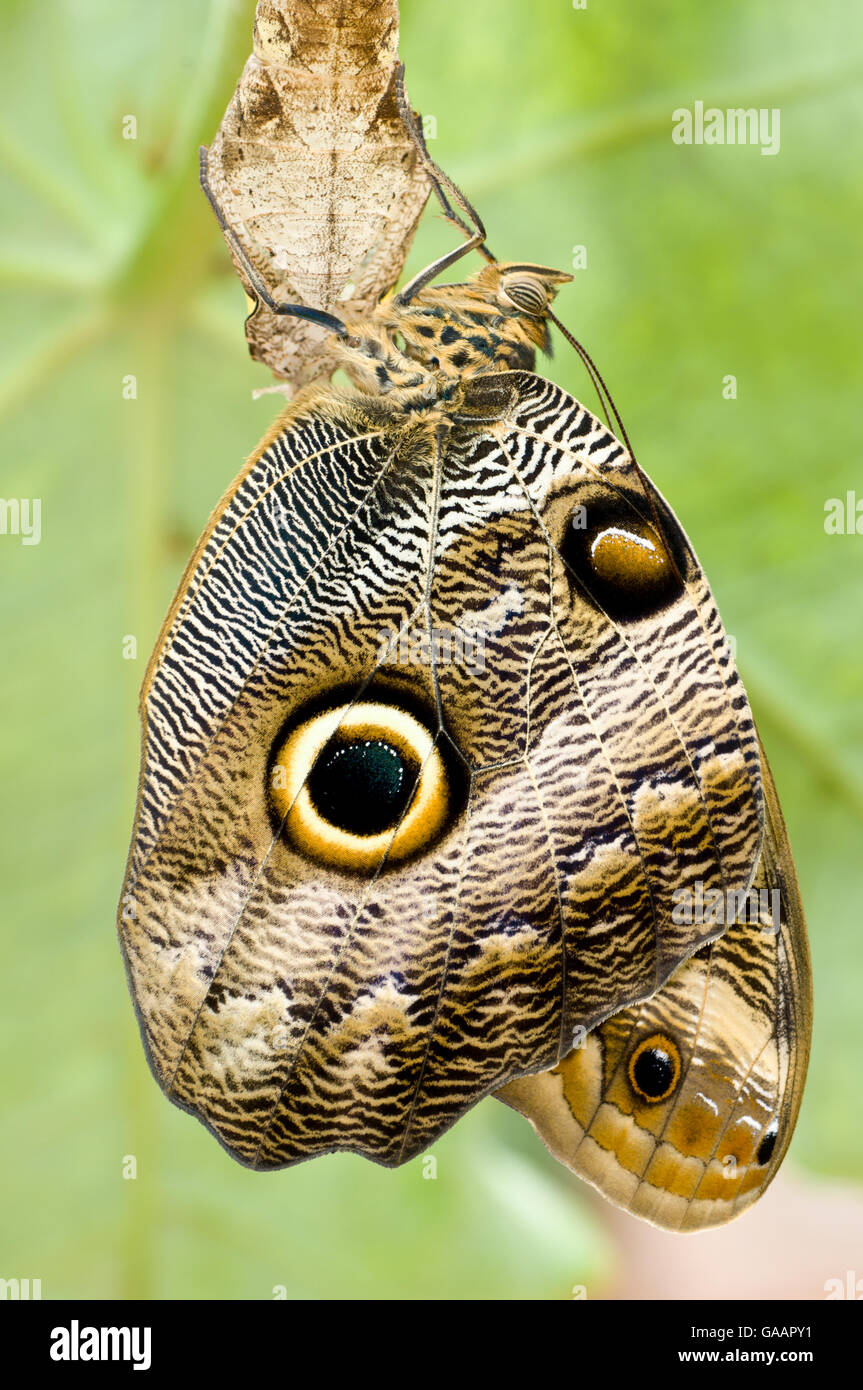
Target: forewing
298	1005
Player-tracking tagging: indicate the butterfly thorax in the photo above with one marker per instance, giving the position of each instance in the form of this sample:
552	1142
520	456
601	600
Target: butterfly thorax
424	349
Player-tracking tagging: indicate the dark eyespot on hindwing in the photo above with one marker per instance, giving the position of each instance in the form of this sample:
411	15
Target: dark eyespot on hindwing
654	1068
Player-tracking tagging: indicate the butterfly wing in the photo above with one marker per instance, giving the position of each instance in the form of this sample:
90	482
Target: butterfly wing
681	1110
596	756
314	172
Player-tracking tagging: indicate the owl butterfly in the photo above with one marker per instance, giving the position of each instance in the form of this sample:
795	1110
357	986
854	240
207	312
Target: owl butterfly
316	183
440	724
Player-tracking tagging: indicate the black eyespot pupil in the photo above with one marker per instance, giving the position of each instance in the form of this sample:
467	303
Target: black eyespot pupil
766	1147
362	786
653	1072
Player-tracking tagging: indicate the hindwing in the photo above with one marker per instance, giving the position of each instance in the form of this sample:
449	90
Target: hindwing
681	1110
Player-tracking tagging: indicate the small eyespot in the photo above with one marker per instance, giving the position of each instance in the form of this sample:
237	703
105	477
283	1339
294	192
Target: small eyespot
621	560
359	784
525	292
654	1068
767	1145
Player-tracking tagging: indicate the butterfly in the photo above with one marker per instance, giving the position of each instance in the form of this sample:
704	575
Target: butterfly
372	878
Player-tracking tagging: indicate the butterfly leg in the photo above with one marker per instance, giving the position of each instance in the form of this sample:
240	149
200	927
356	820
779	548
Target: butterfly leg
439	178
472	228
300	311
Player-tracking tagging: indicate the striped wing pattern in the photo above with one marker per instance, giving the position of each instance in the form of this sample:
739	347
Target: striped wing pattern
297	1009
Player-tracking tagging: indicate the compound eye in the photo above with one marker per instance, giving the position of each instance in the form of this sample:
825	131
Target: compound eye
525	292
654	1068
359	784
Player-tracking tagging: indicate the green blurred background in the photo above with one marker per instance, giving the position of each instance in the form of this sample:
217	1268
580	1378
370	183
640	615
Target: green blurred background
701	261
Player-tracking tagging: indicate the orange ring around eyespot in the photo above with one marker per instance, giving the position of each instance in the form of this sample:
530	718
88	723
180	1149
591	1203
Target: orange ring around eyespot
663	1043
329	844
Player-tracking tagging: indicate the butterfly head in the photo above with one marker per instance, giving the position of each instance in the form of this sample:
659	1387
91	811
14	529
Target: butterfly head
495	321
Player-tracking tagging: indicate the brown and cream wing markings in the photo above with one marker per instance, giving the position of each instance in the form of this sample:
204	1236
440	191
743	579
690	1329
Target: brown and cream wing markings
681	1110
594	762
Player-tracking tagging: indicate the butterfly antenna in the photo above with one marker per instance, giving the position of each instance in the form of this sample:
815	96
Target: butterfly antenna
607	403
599	385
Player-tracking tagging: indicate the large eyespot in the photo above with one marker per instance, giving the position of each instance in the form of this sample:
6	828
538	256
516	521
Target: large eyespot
654	1068
359	783
525	292
621	559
